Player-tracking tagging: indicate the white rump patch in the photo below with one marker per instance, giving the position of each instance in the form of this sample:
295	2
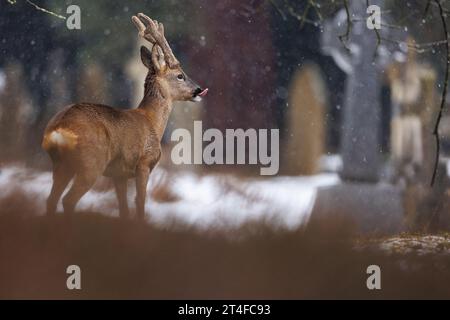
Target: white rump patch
57	138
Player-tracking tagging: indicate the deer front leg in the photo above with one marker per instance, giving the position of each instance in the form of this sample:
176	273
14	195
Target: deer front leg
142	174
120	184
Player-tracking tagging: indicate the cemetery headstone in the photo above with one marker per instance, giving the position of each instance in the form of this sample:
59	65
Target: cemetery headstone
136	72
92	84
305	121
372	205
16	113
363	59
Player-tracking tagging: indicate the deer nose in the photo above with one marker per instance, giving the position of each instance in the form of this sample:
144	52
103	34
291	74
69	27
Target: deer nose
197	91
200	92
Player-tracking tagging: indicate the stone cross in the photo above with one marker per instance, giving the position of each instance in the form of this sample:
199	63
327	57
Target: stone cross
359	56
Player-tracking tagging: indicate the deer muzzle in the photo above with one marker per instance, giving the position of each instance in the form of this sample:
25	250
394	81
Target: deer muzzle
199	93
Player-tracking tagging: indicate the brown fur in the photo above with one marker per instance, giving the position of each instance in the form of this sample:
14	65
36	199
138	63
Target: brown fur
87	140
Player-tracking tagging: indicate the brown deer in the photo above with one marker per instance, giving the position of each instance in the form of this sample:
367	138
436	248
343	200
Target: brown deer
87	140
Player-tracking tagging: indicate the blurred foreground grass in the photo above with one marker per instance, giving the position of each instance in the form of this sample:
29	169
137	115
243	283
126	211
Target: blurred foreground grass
127	259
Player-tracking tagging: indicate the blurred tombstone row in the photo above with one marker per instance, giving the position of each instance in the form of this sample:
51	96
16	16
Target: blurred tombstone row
136	73
59	87
16	112
22	121
92	85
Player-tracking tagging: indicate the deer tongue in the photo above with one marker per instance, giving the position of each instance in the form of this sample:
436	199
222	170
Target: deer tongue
203	93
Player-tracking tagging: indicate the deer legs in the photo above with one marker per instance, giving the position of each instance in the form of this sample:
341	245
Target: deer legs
120	184
81	185
142	174
85	179
61	178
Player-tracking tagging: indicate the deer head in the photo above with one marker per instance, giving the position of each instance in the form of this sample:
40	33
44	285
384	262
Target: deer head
164	68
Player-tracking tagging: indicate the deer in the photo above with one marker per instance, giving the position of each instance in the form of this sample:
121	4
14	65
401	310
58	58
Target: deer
86	140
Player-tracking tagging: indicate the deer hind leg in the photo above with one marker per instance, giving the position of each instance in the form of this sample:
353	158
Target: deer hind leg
120	184
82	183
61	178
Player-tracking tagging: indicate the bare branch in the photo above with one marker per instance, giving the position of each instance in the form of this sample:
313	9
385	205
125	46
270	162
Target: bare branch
444	91
427	7
44	10
275	5
345	36
316	7
13	2
302	18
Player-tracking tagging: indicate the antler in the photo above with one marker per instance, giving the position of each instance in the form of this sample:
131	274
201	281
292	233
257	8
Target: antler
154	33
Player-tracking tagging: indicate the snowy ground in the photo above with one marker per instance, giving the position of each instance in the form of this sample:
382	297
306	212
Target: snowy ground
411	244
206	201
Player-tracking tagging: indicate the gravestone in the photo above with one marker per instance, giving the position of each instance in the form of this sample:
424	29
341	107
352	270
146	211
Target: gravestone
58	84
305	122
414	98
16	113
359	56
374	206
412	145
92	84
429	107
136	72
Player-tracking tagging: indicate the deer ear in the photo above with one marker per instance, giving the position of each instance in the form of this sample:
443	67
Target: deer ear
146	57
158	59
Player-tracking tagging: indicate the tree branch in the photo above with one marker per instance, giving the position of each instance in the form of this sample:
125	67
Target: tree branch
444	92
345	36
13	2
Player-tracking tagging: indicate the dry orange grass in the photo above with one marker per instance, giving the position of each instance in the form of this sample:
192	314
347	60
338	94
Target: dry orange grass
126	259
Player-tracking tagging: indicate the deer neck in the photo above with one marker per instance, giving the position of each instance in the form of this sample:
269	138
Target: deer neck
157	106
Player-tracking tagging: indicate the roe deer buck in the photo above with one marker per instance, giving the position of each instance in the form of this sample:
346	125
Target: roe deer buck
87	140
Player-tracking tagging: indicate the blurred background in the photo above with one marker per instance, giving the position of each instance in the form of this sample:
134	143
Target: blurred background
356	109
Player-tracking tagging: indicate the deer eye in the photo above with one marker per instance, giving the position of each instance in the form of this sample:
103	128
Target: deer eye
180	76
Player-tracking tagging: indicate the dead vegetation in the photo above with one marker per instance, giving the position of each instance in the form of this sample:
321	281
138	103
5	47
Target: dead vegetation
134	260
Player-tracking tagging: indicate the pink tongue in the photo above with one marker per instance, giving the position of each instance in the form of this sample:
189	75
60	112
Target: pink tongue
203	93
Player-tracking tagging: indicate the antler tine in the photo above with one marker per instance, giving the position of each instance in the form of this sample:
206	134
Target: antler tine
141	27
154	33
161	29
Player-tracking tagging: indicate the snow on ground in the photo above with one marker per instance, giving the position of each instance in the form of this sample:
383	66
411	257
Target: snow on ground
415	244
420	244
202	201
